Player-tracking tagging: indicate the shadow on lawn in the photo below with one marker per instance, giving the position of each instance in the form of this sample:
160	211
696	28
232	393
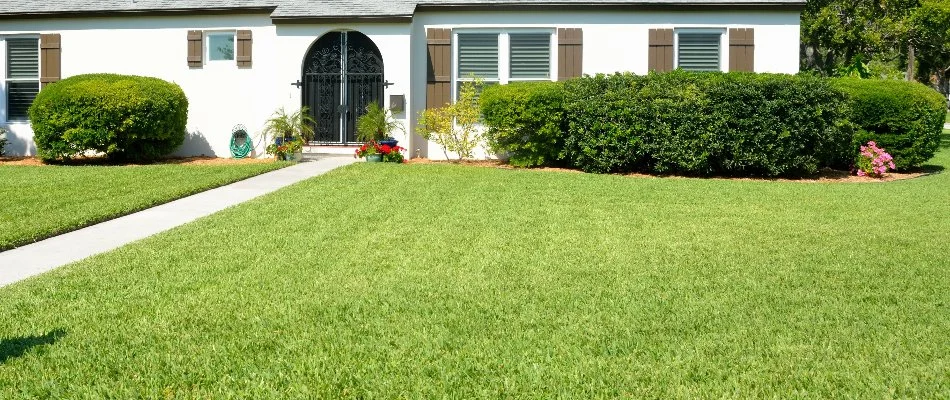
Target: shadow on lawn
944	146
16	347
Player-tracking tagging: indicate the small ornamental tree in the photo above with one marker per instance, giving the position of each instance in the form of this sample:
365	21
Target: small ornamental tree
455	126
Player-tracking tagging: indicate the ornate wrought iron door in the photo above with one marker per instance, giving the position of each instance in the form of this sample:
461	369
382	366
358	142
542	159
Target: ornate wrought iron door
342	74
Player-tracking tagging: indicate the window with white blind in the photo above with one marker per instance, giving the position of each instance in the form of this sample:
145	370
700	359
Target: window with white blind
699	50
529	56
502	57
477	57
22	80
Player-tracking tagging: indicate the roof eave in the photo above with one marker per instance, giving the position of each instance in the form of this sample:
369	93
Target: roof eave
325	19
142	12
649	6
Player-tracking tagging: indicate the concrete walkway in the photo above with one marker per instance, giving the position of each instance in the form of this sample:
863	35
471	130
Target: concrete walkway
24	262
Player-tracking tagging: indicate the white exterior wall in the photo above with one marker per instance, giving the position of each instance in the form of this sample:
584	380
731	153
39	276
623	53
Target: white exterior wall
220	94
616	41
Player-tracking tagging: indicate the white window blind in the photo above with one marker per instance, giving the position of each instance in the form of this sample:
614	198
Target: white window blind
478	55
699	51
530	55
23	72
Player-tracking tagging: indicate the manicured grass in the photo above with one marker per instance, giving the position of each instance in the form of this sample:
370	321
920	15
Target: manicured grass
40	201
425	281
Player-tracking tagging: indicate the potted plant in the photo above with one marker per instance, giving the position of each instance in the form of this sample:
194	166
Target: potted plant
377	125
371	151
290	130
287	149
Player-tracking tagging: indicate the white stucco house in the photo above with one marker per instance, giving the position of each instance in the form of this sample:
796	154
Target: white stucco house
238	61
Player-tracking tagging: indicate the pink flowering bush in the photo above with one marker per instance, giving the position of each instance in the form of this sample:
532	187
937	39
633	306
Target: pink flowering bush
873	161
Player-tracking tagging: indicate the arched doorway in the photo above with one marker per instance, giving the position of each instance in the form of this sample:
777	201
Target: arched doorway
342	74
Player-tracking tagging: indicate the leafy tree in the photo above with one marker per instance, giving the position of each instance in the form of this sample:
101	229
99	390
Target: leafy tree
877	38
835	33
929	32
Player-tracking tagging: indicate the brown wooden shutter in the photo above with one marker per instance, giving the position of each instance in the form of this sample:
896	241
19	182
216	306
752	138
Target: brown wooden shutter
570	53
195	48
243	44
50	58
742	49
439	78
660	57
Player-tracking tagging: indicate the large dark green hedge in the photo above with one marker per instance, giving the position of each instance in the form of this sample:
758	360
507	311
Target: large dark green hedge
525	121
904	118
705	123
125	117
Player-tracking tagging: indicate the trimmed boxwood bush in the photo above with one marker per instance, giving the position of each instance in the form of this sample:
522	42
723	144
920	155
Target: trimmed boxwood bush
125	117
706	123
525	121
904	118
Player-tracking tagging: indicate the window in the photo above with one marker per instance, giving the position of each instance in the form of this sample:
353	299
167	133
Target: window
22	76
699	50
530	56
502	57
478	58
221	46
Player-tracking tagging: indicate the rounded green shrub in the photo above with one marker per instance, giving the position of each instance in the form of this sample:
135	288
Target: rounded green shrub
125	117
705	124
525	121
904	118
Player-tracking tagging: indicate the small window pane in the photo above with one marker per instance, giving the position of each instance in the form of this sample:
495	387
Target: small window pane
699	51
221	47
530	55
20	96
23	58
478	55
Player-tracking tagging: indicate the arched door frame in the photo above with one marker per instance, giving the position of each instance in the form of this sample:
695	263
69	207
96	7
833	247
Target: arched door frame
341	73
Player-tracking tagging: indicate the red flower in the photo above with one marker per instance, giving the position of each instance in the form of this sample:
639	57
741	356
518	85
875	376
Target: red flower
385	149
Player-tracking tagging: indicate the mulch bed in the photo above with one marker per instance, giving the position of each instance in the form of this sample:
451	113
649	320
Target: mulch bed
823	176
203	160
827	175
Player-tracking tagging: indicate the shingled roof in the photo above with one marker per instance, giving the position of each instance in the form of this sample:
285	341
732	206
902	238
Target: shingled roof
293	9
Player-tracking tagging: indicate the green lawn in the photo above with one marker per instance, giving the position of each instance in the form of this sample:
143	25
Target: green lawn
40	201
444	281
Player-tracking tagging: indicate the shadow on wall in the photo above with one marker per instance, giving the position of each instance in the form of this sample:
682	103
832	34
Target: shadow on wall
195	144
18	146
18	346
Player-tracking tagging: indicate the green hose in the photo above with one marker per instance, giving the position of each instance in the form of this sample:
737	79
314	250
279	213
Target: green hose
243	149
